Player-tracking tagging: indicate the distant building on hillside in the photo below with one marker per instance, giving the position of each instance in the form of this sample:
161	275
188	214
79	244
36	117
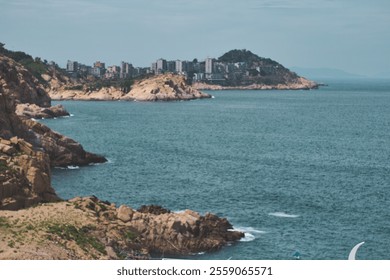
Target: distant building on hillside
71	66
178	66
127	70
161	66
112	72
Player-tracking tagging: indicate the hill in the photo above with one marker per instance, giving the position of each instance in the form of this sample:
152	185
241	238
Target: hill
243	69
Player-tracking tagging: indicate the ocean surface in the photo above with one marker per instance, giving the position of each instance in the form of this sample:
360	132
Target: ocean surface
298	171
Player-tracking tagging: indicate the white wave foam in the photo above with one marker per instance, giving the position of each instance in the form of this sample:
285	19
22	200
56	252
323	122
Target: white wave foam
109	161
71	115
283	215
248	237
250	233
73	167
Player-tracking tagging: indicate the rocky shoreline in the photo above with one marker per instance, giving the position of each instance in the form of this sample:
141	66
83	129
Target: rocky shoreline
299	84
36	224
88	228
165	87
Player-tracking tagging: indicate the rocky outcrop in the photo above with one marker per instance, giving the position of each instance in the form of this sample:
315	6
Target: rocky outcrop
19	83
62	150
167	87
181	233
297	84
36	112
87	228
104	94
27	151
24	175
30	96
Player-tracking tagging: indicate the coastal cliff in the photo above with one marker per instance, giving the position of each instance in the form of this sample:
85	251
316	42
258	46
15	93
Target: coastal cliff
81	228
31	98
29	149
165	87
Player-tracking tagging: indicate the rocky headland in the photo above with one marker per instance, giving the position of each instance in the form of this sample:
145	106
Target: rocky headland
28	93
87	228
36	224
299	83
243	70
165	87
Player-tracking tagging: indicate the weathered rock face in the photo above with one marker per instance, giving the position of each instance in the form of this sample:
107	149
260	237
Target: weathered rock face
54	231
104	94
167	87
36	112
181	233
24	175
27	150
19	83
62	150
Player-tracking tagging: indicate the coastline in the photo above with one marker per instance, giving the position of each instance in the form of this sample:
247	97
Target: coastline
300	84
88	228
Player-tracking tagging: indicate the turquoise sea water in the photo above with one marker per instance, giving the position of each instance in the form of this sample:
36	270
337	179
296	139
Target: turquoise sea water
305	171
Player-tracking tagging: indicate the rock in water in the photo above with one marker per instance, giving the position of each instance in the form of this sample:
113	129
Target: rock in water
182	233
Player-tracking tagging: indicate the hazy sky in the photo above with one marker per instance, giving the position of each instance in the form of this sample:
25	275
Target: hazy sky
352	35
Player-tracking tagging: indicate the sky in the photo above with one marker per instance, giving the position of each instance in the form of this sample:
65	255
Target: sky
350	35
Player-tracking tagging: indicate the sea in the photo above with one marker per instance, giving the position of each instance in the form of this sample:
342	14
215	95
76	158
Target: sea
303	173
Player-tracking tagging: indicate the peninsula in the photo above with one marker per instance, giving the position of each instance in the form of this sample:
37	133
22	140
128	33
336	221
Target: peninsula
37	224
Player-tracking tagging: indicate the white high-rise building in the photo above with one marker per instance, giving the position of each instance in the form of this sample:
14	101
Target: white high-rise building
71	66
161	66
178	66
209	65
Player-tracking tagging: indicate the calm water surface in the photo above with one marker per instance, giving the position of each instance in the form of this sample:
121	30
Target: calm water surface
305	171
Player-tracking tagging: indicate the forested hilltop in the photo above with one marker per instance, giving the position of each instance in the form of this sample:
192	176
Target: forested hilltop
242	68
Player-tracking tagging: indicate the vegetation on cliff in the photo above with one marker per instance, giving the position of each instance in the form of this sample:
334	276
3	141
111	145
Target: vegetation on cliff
247	69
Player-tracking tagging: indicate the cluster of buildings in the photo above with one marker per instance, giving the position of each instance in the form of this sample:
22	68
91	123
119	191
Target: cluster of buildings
99	70
210	70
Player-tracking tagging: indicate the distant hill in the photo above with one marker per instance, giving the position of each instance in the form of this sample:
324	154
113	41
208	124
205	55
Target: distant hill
244	69
235	56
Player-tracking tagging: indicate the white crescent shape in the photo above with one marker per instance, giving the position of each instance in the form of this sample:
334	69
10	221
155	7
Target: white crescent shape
352	254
